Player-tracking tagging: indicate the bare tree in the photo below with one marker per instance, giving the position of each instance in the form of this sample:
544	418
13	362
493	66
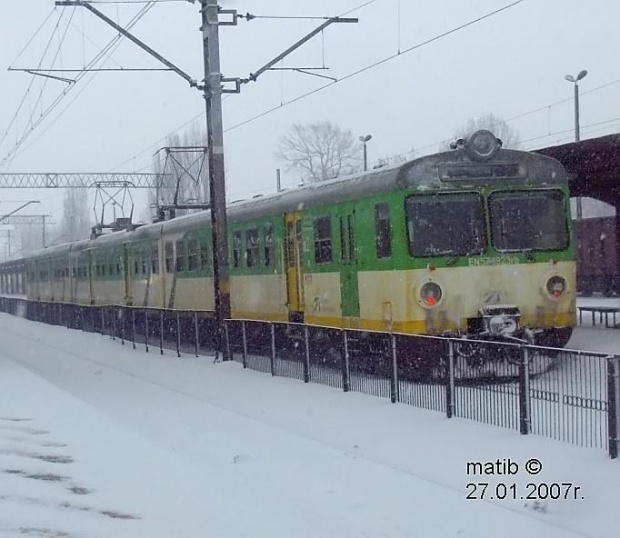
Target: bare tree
509	136
319	151
76	218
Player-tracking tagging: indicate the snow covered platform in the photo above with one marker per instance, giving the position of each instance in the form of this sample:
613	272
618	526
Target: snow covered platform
99	440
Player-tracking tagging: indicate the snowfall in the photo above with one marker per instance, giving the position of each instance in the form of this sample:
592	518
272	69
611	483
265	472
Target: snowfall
100	440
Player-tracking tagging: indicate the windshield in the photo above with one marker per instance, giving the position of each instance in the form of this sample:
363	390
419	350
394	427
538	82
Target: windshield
445	225
528	220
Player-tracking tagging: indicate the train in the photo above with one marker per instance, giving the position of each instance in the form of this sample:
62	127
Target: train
475	242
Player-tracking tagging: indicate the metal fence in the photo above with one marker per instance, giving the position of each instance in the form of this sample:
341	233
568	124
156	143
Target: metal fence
568	395
571	396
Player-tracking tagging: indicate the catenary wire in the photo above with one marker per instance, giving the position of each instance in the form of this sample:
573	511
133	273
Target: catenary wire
197	116
112	44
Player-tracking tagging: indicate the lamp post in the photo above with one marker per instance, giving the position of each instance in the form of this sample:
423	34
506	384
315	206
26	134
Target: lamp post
364	140
575	81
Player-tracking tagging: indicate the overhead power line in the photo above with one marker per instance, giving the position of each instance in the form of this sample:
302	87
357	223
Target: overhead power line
346	77
200	115
57	101
377	63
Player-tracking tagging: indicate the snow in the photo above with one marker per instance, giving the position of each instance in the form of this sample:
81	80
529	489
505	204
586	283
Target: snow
183	447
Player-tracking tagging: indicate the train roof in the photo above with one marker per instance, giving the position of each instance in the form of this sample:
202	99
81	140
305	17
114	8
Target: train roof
418	174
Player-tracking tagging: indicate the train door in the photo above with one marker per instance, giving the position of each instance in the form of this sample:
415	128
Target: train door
349	289
294	276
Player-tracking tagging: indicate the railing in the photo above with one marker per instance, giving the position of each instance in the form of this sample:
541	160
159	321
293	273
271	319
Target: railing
568	395
572	396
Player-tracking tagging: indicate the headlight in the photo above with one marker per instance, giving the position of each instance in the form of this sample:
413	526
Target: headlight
482	146
556	286
431	294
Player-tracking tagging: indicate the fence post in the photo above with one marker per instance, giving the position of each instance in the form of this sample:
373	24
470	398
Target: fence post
114	323
272	362
227	338
178	335
245	345
146	330
346	381
161	332
196	332
133	327
306	355
394	396
124	321
524	392
450	381
613	399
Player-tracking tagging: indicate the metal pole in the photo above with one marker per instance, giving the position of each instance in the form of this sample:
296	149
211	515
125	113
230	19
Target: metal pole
273	350
217	180
229	355
43	229
577	139
178	335
307	355
450	381
196	331
146	330
161	332
613	399
394	396
278	180
346	380
245	345
122	311
524	392
577	134
365	157
133	328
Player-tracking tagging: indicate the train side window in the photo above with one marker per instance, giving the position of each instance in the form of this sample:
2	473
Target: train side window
111	269
155	260
323	240
268	237
204	253
252	249
103	269
118	268
180	256
236	249
383	232
136	267
192	254
169	252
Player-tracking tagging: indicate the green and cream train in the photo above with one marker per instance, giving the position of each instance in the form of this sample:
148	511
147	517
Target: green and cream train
474	242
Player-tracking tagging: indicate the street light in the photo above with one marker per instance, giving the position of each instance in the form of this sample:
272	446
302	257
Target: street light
575	81
364	140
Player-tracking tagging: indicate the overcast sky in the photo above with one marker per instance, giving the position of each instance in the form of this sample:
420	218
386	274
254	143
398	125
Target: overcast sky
508	64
